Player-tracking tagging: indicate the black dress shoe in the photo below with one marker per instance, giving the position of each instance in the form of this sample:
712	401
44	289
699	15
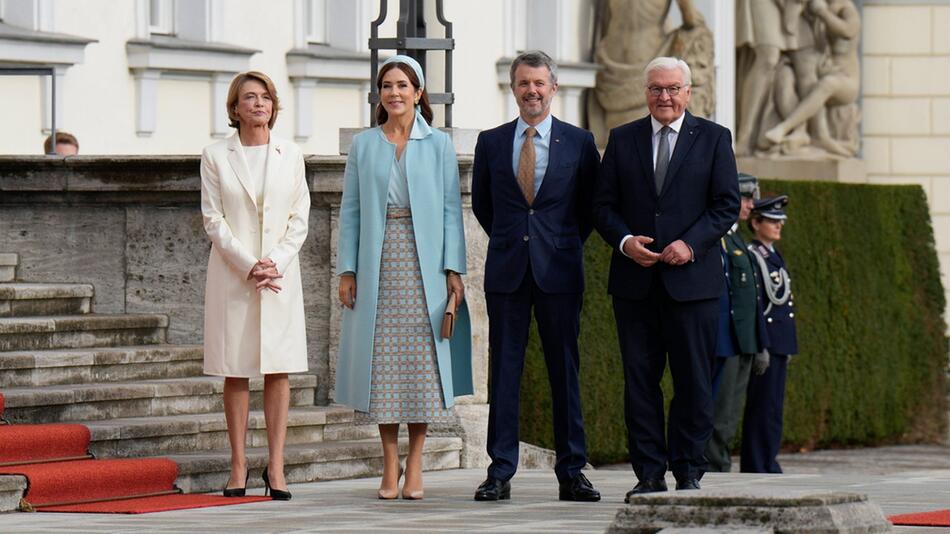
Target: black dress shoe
493	489
578	489
275	494
687	484
650	485
237	492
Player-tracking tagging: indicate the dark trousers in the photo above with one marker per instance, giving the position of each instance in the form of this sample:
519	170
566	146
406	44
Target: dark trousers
649	330
558	318
762	426
732	375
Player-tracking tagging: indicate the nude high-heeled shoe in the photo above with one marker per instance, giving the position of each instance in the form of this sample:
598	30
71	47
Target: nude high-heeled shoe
387	494
413	495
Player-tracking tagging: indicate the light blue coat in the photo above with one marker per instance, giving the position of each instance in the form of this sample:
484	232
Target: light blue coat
436	204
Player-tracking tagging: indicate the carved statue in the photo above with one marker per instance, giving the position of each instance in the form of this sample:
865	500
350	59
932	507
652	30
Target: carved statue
799	77
631	34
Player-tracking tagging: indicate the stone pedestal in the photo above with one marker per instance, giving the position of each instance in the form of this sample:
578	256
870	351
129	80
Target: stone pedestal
823	170
805	512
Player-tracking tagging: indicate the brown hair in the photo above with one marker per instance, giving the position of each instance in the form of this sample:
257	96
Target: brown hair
381	115
237	82
62	138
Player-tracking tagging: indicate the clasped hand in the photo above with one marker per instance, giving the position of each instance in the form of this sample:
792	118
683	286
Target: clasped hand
265	275
676	253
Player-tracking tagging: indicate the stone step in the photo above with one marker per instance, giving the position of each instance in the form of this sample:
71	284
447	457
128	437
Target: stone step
151	436
147	398
81	331
99	364
8	265
350	431
11	491
330	460
24	300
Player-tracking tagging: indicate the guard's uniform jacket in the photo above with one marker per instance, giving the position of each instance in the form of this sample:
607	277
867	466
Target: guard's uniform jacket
742	325
780	304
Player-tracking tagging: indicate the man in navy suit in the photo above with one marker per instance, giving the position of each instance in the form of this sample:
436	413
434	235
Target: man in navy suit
532	192
667	194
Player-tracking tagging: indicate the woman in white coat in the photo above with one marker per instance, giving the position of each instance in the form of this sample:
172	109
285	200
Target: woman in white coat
255	204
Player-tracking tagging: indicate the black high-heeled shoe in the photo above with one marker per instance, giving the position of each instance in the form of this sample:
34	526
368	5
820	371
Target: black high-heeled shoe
275	494
236	492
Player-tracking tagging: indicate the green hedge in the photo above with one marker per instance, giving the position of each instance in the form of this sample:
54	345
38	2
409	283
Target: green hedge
869	310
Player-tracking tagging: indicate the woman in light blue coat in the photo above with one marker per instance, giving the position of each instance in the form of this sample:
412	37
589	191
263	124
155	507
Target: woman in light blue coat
402	244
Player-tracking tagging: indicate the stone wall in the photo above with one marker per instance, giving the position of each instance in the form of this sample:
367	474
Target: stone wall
131	227
906	105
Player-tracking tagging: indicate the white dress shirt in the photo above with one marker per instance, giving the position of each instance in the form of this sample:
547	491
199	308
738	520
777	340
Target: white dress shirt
672	136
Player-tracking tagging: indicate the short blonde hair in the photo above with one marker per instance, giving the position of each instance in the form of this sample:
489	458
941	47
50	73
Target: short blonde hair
233	96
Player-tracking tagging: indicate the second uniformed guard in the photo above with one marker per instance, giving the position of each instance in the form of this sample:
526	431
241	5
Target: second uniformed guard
742	334
762	426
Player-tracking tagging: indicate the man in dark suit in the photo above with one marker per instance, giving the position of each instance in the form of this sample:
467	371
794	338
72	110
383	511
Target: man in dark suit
532	191
666	195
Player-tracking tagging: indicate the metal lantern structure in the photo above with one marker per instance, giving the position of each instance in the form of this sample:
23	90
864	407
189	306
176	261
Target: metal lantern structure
411	40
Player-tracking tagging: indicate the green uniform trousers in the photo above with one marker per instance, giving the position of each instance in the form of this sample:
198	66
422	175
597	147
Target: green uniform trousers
729	403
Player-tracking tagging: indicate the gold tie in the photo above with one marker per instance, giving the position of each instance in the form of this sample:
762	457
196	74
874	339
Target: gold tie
526	165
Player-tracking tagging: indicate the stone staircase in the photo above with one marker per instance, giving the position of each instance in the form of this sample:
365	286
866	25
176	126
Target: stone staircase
139	396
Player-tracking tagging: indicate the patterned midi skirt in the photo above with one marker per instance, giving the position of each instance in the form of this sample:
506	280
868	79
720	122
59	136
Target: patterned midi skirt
406	386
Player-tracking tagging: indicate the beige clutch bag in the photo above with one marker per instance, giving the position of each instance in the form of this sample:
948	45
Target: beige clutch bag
448	321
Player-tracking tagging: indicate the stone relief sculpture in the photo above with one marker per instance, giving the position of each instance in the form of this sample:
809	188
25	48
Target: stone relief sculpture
798	77
629	34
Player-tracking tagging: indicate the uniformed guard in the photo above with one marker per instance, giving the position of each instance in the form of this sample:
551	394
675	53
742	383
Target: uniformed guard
742	334
762	427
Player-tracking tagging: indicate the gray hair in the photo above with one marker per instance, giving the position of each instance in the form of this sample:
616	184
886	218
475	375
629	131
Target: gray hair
534	59
668	63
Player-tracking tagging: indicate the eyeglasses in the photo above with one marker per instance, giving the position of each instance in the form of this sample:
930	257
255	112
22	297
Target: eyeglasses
657	91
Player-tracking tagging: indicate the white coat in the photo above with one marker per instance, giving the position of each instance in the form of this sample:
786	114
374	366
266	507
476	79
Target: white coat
246	333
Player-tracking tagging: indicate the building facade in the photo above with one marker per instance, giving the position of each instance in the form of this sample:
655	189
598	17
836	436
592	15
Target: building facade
151	76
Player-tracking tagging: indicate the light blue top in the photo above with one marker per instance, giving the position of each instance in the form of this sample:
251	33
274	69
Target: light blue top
398	179
542	142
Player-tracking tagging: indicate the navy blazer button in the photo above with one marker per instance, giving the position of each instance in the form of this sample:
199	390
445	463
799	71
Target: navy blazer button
769	319
531	212
526	238
657	214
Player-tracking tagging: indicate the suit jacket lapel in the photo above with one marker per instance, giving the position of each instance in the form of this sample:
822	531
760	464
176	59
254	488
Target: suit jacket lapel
274	156
554	154
644	144
239	166
684	141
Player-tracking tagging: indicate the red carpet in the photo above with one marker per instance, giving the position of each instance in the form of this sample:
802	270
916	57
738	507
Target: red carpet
146	505
61	477
938	518
33	443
